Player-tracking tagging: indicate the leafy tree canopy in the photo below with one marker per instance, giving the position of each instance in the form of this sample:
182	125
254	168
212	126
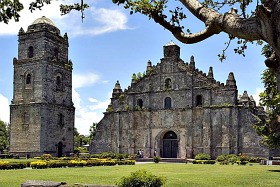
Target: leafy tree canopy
3	136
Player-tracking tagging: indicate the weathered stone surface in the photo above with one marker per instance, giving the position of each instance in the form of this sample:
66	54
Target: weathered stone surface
176	99
42	111
35	183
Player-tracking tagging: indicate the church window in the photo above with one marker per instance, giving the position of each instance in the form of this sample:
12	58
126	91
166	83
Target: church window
25	118
140	103
58	83
61	120
30	52
168	83
199	100
167	103
56	52
28	79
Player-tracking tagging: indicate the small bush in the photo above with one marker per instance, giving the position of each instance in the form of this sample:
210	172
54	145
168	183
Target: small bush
204	162
46	157
141	178
108	162
77	163
202	156
38	164
120	156
107	155
57	164
126	162
94	155
226	159
156	159
244	157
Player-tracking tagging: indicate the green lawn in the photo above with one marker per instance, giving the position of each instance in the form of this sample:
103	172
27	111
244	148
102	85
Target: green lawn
177	175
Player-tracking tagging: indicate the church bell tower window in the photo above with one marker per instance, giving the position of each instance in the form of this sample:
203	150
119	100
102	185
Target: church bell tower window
28	79
140	103
168	84
199	101
30	52
58	83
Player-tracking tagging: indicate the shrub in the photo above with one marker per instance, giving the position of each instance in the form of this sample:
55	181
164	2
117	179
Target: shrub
202	156
141	178
94	162
107	155
76	163
221	158
46	157
108	162
84	155
126	162
94	155
120	156
156	159
204	162
38	164
57	164
227	159
4	165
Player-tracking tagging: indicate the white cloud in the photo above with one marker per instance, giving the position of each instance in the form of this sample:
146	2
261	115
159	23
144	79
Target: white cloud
51	11
256	95
100	105
98	20
92	109
92	100
4	109
84	80
86	115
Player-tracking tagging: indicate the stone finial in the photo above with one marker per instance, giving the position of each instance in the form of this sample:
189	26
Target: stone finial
244	99
149	66
231	82
210	75
117	86
192	63
117	90
65	36
170	43
15	60
134	79
252	98
21	31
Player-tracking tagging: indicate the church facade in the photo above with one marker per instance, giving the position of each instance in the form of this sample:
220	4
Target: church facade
42	111
179	111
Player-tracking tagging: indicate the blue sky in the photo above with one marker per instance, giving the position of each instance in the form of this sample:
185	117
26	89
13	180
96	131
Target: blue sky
110	45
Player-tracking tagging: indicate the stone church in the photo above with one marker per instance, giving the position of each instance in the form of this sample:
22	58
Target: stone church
179	111
42	111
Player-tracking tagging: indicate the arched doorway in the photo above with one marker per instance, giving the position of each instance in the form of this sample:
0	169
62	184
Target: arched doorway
59	149
170	145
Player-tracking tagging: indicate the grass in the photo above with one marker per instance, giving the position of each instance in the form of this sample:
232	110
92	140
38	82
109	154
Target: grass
178	175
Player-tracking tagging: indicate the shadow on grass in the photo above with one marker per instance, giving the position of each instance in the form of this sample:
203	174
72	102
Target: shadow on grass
274	170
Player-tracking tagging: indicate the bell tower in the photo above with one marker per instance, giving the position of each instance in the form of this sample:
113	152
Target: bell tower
42	111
